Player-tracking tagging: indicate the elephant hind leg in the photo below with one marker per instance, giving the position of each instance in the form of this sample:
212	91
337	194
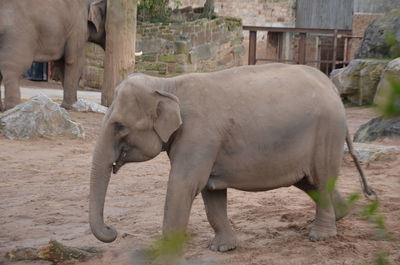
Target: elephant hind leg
12	93
324	225
216	208
339	204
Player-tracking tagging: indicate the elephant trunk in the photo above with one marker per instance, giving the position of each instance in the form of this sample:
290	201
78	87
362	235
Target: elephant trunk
100	176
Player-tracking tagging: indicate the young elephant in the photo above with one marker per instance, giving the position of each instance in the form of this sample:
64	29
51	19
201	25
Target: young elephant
252	128
43	31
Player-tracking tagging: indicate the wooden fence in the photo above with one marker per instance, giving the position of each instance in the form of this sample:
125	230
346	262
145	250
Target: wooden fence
301	36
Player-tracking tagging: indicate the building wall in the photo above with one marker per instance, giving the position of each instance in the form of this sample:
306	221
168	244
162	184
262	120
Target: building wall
324	14
375	6
253	12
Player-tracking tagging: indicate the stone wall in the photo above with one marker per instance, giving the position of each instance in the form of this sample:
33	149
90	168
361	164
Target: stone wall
175	48
197	46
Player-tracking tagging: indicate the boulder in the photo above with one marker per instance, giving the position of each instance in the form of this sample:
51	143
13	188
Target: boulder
384	91
85	106
370	152
359	80
377	129
39	116
382	37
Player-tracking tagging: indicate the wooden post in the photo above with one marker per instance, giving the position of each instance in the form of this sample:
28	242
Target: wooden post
252	47
335	38
119	58
346	52
302	48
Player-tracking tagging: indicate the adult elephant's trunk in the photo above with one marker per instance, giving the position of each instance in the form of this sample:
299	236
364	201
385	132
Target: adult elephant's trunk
104	156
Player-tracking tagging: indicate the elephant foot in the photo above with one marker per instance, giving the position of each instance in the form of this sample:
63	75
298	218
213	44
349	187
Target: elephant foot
66	105
8	106
223	243
318	234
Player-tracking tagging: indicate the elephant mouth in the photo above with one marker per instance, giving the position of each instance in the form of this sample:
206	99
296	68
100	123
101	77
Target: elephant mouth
116	166
119	163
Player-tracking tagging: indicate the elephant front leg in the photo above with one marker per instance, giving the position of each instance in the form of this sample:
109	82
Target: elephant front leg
189	175
216	208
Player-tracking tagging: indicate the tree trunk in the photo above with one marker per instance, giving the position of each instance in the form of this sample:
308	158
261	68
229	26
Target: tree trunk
119	58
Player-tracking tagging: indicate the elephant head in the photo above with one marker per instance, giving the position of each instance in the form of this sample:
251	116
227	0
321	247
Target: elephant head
139	121
96	22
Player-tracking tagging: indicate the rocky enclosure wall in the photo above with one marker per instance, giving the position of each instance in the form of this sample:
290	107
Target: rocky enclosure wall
175	48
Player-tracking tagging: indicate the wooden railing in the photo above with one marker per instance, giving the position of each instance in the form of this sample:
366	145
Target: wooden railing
302	34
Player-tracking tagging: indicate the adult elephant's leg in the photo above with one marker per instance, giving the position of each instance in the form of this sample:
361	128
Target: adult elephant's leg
190	170
57	70
216	208
72	73
324	225
12	93
339	204
73	65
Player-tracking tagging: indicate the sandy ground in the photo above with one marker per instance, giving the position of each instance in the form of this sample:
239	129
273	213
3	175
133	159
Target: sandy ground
44	185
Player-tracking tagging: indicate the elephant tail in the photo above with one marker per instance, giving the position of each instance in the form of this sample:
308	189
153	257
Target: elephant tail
369	193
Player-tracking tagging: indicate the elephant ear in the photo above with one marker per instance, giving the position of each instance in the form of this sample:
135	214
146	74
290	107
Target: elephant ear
96	13
168	115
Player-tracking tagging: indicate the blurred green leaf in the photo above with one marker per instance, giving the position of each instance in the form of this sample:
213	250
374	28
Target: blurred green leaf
390	39
167	247
381	259
370	209
392	107
353	198
331	184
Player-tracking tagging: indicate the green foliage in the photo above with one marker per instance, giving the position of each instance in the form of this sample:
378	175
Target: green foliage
381	259
322	197
392	107
353	198
370	209
372	212
178	4
393	44
167	248
153	10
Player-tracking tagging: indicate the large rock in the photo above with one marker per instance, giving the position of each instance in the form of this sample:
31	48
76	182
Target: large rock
39	116
377	129
85	106
370	152
384	90
359	80
382	37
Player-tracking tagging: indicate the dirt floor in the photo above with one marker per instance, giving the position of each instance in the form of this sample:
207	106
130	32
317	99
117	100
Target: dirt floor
44	185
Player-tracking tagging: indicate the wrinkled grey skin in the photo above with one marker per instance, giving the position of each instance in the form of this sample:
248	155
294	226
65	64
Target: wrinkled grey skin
252	128
43	31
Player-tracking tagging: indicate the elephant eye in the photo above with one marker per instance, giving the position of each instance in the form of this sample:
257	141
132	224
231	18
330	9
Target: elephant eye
118	127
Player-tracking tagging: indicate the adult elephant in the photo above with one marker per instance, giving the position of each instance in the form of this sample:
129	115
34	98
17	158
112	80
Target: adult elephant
252	128
43	31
